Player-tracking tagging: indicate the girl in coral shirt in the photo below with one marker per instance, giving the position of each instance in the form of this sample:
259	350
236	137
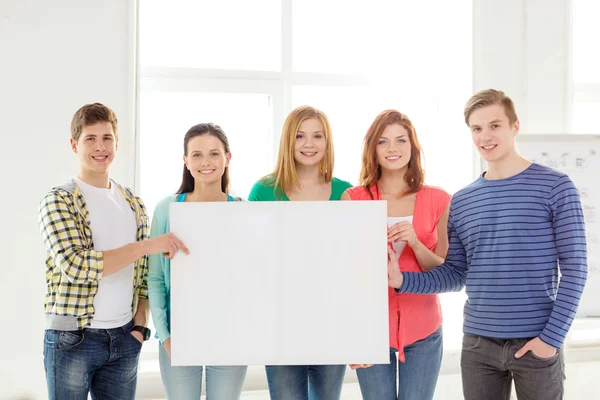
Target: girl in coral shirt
417	232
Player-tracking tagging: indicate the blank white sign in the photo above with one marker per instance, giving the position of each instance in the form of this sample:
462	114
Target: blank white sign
280	283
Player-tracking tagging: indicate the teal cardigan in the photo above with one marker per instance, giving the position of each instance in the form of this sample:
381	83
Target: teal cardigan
159	274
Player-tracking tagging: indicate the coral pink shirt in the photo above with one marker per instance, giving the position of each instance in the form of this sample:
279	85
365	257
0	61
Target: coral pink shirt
413	316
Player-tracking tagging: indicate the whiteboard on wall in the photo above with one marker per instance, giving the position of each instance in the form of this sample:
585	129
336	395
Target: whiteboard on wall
579	157
280	283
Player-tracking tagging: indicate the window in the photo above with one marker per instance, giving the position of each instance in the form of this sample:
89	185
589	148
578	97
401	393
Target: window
211	35
201	62
586	66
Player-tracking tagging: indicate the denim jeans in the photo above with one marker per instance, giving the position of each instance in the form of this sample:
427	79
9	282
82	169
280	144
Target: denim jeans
185	383
417	376
103	362
304	382
489	366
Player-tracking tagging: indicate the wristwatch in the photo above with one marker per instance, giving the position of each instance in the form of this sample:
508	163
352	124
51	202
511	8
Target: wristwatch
143	330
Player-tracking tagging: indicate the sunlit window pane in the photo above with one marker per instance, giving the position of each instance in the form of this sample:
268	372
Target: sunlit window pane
586	64
586	32
404	38
585	117
227	34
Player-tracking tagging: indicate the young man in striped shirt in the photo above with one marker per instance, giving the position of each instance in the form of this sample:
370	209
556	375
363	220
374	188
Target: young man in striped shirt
511	232
96	236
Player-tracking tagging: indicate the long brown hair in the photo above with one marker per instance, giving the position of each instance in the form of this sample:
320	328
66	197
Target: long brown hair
187	181
371	170
285	177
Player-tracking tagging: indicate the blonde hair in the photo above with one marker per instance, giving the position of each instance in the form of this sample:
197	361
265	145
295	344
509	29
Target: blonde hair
284	178
488	97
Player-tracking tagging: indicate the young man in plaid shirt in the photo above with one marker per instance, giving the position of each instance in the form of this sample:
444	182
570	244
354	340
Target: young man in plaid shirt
96	235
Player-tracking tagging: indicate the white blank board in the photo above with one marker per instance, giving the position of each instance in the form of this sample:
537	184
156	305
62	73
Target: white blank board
280	283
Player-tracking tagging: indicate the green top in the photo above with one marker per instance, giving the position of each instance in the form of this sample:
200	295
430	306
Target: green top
263	190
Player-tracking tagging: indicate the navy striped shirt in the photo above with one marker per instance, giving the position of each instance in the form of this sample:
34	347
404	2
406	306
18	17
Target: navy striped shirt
508	239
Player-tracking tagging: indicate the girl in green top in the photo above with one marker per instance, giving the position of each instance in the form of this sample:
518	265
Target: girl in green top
304	172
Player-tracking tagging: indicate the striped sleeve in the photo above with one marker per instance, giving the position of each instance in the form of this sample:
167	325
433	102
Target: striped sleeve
451	276
569	232
65	243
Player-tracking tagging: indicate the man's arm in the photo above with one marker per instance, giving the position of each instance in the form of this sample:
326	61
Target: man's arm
141	317
569	232
450	276
117	259
143	310
66	246
64	241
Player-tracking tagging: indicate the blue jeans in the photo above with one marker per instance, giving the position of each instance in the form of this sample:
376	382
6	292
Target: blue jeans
185	383
417	376
103	362
304	382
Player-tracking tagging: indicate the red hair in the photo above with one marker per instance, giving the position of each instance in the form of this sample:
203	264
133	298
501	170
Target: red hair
371	170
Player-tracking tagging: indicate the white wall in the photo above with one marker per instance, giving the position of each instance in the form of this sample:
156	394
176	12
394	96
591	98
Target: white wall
54	57
522	48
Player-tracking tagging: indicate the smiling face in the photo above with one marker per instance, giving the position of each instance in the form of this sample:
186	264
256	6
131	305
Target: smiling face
492	133
206	159
310	146
95	148
393	148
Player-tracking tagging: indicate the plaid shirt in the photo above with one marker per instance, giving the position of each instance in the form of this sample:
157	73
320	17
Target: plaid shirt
73	267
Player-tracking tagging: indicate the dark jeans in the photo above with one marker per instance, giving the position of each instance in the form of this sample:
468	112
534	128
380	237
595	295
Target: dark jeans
102	362
304	382
489	366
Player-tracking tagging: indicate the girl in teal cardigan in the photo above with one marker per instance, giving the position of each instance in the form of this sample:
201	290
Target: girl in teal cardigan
304	172
205	178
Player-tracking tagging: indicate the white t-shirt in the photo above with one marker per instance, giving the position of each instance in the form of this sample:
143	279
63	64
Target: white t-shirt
399	245
113	225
